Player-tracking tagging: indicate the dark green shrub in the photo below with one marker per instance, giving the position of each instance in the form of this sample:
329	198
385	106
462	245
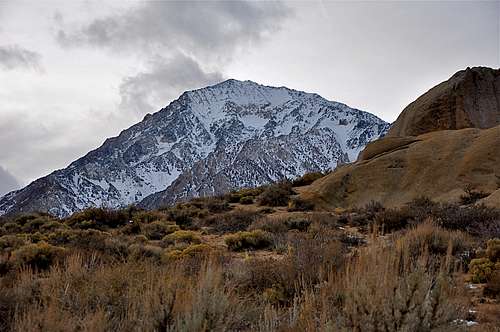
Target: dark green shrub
234	221
392	219
276	194
12	228
299	224
299	204
157	230
8	243
246	200
147	217
40	255
98	218
307	179
212	204
253	240
237	195
141	252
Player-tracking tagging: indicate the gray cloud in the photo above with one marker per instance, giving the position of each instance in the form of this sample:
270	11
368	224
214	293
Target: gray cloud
7	182
177	37
14	56
166	79
193	28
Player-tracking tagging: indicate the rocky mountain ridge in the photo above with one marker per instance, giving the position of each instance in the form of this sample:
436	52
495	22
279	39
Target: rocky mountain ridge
233	134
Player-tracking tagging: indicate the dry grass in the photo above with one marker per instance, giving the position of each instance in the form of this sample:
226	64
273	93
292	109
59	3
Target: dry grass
308	274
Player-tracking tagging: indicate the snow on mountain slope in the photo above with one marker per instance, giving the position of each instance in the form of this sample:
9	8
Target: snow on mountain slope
210	140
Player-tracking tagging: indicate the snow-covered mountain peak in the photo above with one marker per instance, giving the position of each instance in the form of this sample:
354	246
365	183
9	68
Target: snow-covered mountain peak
232	134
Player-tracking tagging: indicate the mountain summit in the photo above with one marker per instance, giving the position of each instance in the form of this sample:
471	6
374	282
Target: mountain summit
232	134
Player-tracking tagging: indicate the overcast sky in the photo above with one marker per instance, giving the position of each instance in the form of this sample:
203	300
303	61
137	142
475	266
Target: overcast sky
74	73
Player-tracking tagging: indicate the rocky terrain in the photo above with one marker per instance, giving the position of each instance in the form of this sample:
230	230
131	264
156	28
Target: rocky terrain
440	165
470	98
427	152
233	134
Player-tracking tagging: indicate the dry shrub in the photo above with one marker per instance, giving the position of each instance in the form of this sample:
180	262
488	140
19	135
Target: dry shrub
234	221
193	250
157	230
248	240
492	288
481	269
38	256
212	204
389	220
98	218
299	204
237	195
9	243
83	294
493	250
272	224
181	237
276	194
246	200
471	195
307	179
378	290
436	240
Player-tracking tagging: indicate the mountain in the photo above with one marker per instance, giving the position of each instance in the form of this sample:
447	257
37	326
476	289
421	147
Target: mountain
233	134
396	170
426	151
469	99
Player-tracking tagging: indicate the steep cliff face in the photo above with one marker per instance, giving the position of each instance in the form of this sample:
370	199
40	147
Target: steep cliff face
469	99
233	134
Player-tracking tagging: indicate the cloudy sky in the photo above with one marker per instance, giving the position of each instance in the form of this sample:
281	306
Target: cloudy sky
73	73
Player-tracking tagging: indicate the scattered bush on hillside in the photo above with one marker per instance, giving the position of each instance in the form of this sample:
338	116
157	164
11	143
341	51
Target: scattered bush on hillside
492	288
147	217
299	204
185	215
276	194
157	230
246	200
389	220
38	256
435	240
307	179
141	252
97	218
481	269
193	250
493	250
237	195
9	243
253	240
234	221
181	237
212	204
471	195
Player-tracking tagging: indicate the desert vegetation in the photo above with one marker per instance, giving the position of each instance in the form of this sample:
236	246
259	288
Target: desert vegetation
225	263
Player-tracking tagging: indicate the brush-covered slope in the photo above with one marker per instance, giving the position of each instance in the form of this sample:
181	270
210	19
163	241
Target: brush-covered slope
233	134
394	171
469	99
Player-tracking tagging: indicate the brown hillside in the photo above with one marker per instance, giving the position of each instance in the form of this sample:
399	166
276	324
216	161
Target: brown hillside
394	171
469	99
